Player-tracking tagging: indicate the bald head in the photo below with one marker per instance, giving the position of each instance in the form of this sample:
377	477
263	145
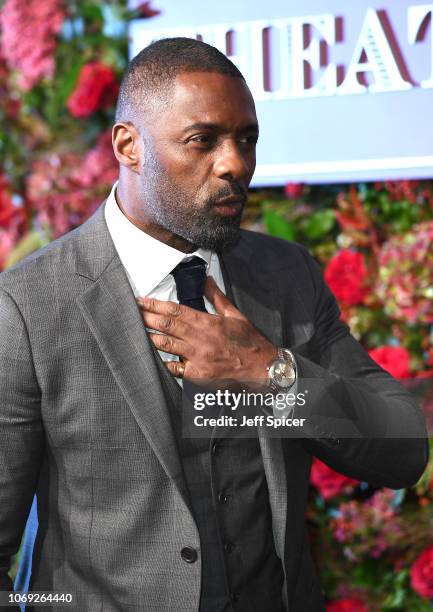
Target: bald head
150	76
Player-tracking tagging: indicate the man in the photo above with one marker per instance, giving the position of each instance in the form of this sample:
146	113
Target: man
132	514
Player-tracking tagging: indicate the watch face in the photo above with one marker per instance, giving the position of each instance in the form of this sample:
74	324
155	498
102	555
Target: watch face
283	374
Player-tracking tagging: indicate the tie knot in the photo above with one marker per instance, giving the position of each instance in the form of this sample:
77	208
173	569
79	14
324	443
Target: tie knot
190	278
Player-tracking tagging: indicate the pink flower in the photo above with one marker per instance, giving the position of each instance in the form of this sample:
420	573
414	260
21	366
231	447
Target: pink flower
350	604
421	573
328	482
28	42
369	527
99	164
393	359
405	276
346	275
65	189
97	88
7	243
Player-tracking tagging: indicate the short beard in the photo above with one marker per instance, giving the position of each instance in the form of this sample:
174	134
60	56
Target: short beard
171	209
206	231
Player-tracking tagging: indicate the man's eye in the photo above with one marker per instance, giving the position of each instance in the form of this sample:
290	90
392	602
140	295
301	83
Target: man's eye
249	140
201	139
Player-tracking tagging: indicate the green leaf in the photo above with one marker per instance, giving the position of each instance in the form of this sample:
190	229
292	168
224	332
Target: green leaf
68	82
91	12
33	98
277	226
93	39
51	107
319	223
365	574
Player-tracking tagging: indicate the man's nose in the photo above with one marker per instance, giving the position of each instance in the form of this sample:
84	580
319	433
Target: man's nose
231	164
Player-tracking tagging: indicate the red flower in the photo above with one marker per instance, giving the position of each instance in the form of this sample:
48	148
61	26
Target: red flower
346	275
97	88
351	215
393	359
12	108
8	212
402	190
327	481
294	190
7	209
145	10
421	573
350	604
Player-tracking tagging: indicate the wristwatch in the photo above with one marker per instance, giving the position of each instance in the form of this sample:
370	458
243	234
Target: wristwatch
282	372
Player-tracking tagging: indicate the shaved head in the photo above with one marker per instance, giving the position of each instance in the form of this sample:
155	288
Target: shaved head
150	76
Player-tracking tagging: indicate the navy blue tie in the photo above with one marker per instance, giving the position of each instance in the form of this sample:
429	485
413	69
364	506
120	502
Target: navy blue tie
190	278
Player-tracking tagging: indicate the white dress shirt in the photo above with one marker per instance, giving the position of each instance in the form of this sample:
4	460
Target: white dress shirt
148	262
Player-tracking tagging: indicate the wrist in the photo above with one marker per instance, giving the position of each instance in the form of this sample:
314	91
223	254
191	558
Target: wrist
258	378
282	372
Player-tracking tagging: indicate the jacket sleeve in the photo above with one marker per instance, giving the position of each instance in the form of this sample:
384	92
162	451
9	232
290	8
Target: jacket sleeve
21	432
359	419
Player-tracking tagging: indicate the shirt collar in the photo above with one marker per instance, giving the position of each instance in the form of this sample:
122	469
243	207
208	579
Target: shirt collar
147	260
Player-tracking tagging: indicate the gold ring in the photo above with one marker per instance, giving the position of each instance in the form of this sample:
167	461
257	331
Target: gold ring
181	369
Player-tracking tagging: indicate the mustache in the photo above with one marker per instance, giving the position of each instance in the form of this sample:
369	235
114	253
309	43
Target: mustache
226	192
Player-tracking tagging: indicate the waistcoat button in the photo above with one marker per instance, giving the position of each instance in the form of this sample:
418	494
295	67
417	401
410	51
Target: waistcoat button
223	497
228	547
189	555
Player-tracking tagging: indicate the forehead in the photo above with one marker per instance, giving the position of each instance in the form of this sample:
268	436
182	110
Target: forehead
201	97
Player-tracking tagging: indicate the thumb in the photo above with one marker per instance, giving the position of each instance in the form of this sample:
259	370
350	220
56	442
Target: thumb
220	302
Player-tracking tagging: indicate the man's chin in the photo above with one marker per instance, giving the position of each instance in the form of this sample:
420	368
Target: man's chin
222	238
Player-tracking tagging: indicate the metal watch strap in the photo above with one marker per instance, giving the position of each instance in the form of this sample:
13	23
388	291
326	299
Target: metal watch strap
284	355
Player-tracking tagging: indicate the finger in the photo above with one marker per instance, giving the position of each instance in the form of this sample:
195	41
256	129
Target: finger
220	302
166	324
175	368
169	344
169	309
160	306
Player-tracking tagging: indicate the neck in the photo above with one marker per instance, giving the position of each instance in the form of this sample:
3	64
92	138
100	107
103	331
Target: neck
133	210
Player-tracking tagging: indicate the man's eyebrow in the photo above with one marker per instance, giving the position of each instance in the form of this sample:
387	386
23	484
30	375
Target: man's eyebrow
252	127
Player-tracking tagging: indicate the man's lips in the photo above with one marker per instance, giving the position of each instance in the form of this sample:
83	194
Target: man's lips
230	206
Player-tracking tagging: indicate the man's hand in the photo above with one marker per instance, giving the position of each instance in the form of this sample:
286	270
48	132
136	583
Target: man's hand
213	347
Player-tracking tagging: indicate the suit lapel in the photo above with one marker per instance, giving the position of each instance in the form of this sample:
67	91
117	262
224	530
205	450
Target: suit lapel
251	292
256	298
276	477
114	319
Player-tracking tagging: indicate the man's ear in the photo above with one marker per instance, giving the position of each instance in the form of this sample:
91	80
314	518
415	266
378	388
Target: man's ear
126	145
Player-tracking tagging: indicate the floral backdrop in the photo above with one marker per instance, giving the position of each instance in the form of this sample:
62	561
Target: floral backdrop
60	65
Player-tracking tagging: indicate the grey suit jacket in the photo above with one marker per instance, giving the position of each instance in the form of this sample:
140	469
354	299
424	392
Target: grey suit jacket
84	423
